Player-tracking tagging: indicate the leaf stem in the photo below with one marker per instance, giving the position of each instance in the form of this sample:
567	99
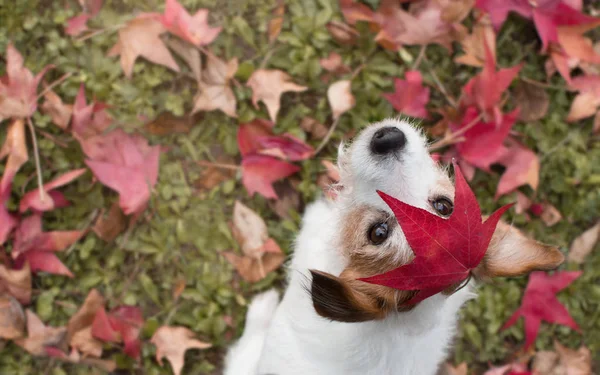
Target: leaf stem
327	136
98	32
36	156
206	163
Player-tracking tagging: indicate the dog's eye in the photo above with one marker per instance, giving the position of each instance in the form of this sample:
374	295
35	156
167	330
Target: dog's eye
378	233
443	206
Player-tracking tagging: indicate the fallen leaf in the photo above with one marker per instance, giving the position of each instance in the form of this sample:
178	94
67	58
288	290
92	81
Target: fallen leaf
167	123
314	128
74	357
249	230
268	86
276	22
110	226
12	318
410	96
285	147
333	63
461	369
57	110
88	120
253	269
141	37
533	101
212	176
214	87
40	336
545	362
584	105
77	25
122	324
51	199
583	245
260	171
443	259
342	33
574	362
84	342
16	149
178	288
18	88
289	198
522	168
17	283
37	248
550	214
193	29
340	98
126	164
249	134
539	303
84	317
190	54
172	343
474	44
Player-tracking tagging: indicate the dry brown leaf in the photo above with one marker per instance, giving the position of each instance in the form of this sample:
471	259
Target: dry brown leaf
212	176
574	362
12	318
167	123
268	86
141	37
172	343
314	128
110	226
454	11
533	101
15	148
253	269
74	357
340	98
333	63
178	288
17	283
214	87
277	21
342	33
584	244
190	54
249	230
474	44
550	214
84	317
461	369
545	362
57	110
84	342
584	105
289	198
39	336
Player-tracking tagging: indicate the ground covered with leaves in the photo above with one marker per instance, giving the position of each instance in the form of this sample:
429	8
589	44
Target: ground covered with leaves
158	157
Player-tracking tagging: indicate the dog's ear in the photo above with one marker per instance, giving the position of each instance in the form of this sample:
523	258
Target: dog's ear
511	253
335	299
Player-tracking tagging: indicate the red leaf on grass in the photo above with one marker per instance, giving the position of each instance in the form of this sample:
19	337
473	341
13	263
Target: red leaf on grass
126	164
122	324
446	250
89	120
260	171
485	90
50	199
249	134
410	96
522	168
15	149
76	25
18	88
539	303
37	248
193	29
285	147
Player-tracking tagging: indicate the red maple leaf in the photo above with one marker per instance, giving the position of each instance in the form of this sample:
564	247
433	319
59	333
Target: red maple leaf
540	303
522	168
88	120
123	323
18	88
446	250
547	15
260	171
126	164
37	248
483	144
285	147
49	199
410	96
194	29
485	90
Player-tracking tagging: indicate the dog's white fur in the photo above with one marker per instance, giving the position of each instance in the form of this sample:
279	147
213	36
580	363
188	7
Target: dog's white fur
290	338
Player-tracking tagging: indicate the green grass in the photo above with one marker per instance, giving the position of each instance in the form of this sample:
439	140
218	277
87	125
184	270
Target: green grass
188	228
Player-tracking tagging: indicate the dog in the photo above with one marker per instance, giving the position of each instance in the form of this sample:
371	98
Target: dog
330	323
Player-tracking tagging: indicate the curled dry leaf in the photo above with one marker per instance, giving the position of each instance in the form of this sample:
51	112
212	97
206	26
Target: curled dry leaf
253	270
550	215
16	149
313	127
57	110
268	86
215	91
475	43
172	343
340	97
12	318
141	37
342	33
584	244
533	101
17	283
109	226
40	336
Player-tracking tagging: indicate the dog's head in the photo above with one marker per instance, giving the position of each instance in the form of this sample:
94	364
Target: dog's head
392	156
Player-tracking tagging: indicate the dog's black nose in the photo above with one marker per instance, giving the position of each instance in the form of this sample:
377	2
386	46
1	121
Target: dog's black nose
388	139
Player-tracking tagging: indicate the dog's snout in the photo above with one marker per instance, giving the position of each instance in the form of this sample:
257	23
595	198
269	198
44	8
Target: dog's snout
387	140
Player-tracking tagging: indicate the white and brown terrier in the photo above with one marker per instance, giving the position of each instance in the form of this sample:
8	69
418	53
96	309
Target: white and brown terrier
330	323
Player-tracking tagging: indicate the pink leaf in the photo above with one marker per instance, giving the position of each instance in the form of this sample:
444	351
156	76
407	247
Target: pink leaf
410	96
260	171
193	29
46	202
